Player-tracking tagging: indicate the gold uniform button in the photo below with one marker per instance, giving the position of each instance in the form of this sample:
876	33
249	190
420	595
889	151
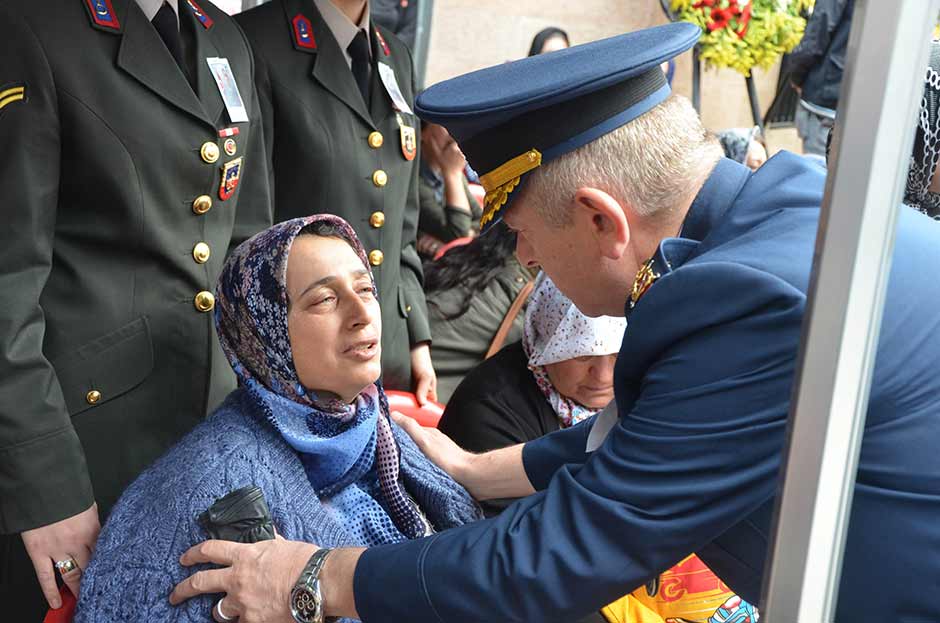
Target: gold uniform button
201	252
376	139
377	219
202	204
93	397
407	309
204	301
376	257
379	178
209	152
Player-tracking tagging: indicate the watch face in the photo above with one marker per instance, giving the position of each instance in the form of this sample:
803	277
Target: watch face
305	604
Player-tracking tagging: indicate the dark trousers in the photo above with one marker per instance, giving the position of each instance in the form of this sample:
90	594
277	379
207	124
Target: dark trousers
21	599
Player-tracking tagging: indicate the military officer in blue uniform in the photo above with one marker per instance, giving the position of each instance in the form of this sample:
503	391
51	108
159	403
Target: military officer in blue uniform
624	199
132	160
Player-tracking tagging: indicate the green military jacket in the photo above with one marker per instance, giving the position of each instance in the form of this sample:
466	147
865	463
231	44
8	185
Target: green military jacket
115	230
331	153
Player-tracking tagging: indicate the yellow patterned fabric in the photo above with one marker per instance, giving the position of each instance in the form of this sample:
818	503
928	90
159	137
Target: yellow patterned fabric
628	609
687	593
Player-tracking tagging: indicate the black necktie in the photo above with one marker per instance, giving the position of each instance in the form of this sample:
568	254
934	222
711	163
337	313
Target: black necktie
168	28
359	52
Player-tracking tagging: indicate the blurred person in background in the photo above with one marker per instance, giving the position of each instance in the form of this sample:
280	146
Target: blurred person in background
548	40
922	190
471	291
448	210
744	146
816	66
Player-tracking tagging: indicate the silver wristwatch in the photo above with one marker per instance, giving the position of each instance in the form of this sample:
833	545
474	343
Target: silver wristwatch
306	603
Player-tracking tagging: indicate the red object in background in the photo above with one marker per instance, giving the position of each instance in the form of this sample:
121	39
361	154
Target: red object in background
63	614
456	242
405	402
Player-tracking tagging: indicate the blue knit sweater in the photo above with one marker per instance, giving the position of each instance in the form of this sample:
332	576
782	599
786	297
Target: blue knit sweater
136	563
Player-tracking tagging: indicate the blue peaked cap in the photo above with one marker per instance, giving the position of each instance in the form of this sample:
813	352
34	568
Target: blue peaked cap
511	118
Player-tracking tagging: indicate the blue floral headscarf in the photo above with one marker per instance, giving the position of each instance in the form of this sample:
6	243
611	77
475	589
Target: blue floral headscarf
348	450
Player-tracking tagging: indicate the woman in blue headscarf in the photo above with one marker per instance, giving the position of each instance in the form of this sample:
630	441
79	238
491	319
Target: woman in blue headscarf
298	319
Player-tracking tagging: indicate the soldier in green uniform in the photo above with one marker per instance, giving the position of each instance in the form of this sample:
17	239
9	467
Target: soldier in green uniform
336	94
130	166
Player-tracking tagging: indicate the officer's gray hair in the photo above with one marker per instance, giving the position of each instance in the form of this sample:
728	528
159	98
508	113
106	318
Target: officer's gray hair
650	164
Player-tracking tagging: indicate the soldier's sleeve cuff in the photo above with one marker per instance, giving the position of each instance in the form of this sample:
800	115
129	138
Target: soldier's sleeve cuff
42	481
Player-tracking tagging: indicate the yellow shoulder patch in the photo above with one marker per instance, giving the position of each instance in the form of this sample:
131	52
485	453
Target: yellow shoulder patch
12	93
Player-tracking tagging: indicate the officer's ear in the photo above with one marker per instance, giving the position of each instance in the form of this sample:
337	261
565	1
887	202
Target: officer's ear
604	217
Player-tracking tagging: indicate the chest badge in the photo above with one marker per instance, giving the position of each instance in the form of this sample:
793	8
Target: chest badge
231	174
645	278
409	139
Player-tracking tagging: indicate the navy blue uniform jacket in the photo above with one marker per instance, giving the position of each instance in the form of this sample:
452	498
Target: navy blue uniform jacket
703	387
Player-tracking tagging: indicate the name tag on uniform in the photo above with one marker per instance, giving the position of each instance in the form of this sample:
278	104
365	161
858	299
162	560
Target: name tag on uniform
603	422
387	74
228	89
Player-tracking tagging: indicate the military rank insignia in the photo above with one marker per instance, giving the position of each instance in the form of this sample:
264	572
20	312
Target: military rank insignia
231	173
102	14
11	93
204	19
409	139
645	278
303	33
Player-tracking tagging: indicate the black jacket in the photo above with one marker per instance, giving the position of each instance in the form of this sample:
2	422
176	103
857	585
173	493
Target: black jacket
817	63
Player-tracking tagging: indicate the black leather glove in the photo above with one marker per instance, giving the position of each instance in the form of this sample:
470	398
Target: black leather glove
241	516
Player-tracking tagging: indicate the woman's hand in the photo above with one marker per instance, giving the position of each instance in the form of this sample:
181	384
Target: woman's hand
72	539
422	371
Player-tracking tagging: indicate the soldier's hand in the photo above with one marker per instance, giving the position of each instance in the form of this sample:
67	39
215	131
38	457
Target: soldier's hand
422	371
438	447
72	539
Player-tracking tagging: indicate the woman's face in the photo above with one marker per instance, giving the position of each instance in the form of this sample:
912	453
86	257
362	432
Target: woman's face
553	43
334	320
588	380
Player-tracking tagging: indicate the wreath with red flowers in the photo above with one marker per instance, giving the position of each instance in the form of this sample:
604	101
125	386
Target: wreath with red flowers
743	34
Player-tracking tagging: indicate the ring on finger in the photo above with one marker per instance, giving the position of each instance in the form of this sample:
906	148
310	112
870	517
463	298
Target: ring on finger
220	616
66	566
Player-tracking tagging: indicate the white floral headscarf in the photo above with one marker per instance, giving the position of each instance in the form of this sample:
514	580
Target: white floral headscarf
555	330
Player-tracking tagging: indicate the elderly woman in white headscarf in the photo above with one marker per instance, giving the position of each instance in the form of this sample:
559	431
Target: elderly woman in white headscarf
561	373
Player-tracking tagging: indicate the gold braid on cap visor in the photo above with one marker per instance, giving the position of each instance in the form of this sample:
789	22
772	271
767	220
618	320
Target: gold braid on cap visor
502	180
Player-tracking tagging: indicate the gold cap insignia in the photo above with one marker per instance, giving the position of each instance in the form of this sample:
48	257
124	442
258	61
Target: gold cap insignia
502	180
